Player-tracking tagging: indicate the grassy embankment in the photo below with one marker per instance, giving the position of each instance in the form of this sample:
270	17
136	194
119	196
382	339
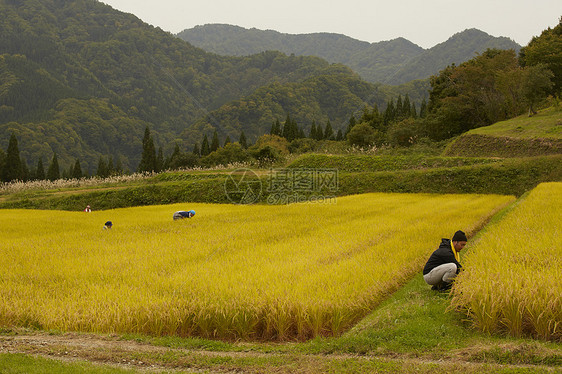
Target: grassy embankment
522	136
356	174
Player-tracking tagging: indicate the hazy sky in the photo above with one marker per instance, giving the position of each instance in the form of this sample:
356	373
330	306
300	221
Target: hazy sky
425	23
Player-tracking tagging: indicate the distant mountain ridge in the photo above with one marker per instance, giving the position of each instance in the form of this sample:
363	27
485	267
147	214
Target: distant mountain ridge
395	61
80	79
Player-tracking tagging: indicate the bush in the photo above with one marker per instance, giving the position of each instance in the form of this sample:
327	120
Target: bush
184	160
229	154
364	135
404	133
303	145
273	141
266	155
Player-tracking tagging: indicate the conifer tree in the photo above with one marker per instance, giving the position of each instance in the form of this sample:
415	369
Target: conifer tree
243	142
227	140
312	134
423	109
76	170
328	131
215	141
289	132
40	171
389	113
339	136
196	150
53	173
406	108
276	128
398	109
103	170
148	158
110	167
319	132
12	167
205	150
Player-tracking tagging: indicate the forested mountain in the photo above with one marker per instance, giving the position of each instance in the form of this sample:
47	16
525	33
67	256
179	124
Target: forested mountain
82	80
330	97
458	48
392	62
373	61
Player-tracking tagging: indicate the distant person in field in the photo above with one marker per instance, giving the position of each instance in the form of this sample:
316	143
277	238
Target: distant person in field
444	263
181	214
108	225
88	209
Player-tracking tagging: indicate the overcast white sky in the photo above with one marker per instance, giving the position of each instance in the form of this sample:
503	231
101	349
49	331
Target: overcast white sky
425	23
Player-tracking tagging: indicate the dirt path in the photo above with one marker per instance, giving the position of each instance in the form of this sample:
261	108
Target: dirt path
143	357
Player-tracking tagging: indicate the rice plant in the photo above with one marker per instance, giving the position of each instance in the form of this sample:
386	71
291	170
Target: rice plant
513	277
231	272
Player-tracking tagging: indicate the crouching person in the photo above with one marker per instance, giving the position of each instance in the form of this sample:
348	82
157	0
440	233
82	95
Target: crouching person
444	263
181	214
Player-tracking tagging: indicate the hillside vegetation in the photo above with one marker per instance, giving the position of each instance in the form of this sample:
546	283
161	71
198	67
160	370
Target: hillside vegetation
392	62
522	136
355	175
81	80
57	58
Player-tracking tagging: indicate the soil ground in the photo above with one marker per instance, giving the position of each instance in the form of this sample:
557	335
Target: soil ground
111	350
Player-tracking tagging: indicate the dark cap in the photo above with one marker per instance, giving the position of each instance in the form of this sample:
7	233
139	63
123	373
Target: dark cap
459	237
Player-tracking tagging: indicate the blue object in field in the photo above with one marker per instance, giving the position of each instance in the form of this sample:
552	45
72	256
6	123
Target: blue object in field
181	214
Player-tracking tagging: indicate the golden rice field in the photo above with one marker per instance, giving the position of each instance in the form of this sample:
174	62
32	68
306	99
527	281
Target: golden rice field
513	277
249	272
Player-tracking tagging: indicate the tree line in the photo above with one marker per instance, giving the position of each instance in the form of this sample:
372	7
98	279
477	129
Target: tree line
14	167
493	86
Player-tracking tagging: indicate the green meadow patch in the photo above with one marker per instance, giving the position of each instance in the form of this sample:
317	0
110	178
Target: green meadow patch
522	136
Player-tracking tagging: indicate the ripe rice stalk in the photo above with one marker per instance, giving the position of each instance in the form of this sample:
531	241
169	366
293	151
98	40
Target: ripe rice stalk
513	276
231	272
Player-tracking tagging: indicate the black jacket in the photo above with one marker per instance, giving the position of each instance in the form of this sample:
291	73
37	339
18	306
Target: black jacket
442	255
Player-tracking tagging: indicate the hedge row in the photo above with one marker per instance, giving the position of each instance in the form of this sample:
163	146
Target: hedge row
200	190
363	163
501	146
508	177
